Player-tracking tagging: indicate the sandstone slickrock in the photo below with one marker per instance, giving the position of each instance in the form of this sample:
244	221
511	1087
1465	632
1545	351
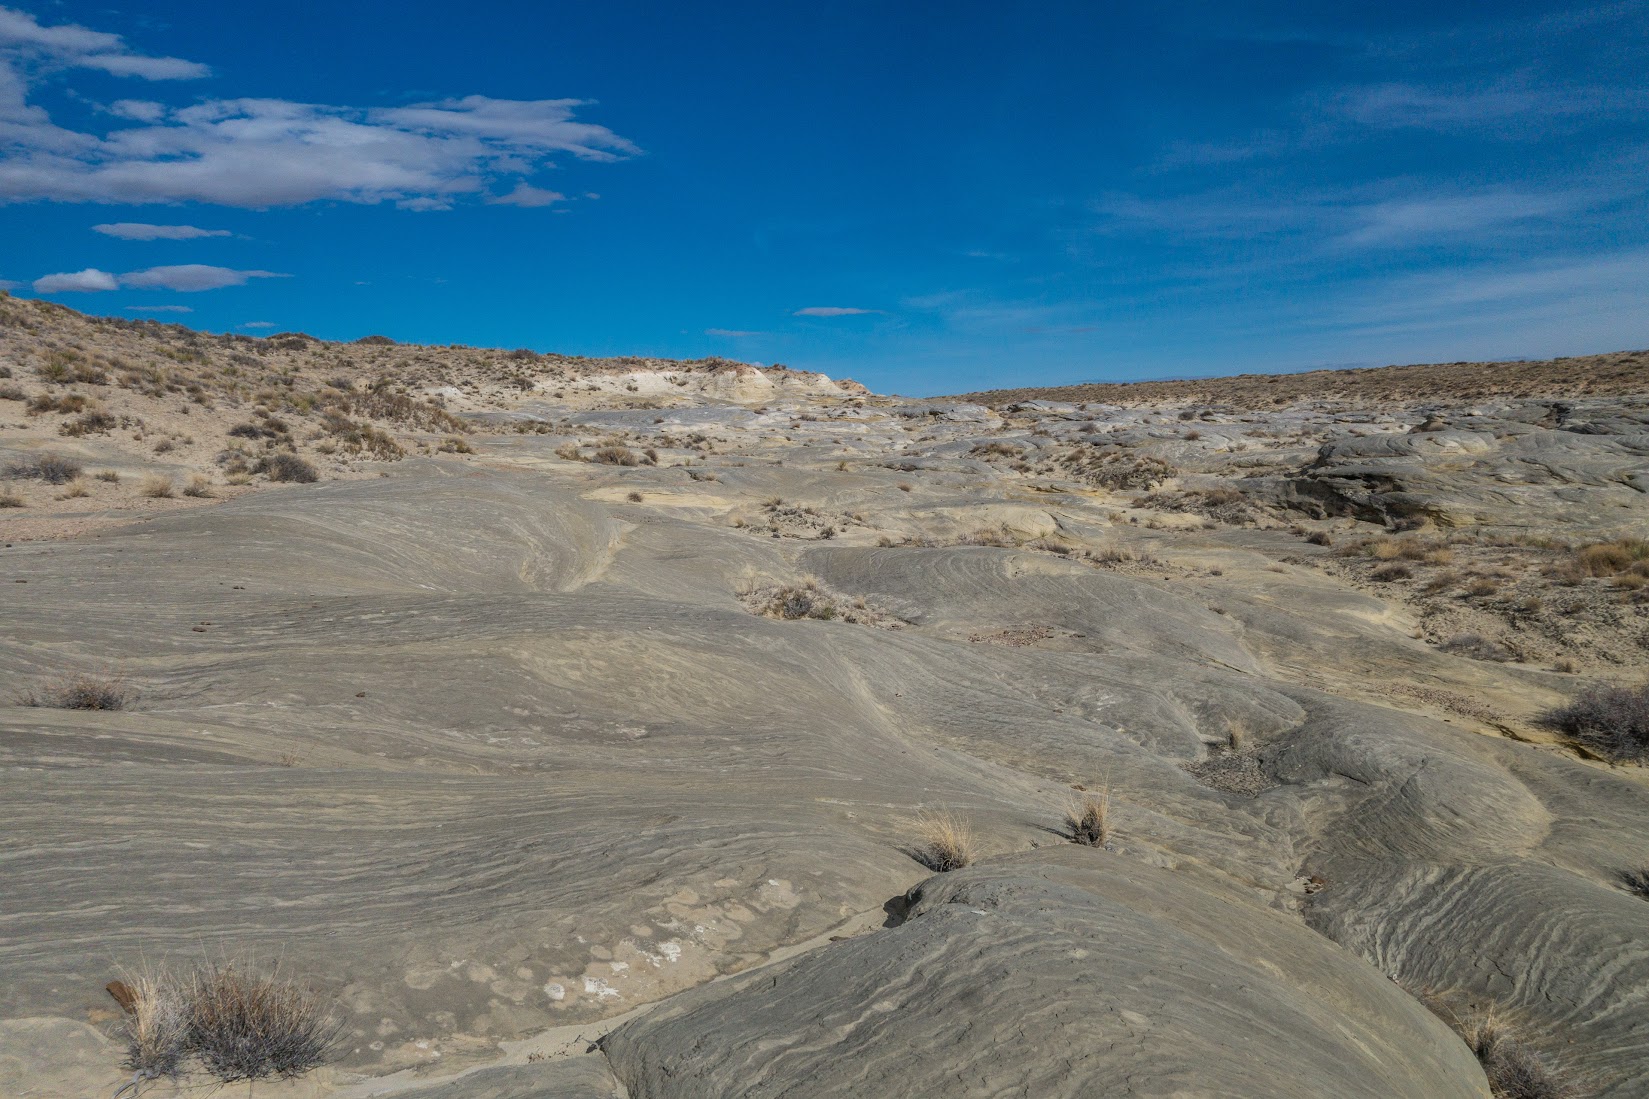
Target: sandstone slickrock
492	747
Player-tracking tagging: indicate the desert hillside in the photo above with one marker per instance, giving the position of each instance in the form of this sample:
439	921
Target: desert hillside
595	728
1622	373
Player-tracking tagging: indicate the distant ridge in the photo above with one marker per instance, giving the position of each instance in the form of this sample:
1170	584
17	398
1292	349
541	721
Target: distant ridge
1614	374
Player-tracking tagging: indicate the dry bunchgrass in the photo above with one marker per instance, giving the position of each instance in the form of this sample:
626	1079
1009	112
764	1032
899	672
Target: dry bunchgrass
247	1027
237	1025
80	692
199	486
1611	558
946	841
154	1025
1514	1070
1089	818
9	499
157	486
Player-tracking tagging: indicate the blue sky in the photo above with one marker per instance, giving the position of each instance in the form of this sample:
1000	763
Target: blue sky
927	197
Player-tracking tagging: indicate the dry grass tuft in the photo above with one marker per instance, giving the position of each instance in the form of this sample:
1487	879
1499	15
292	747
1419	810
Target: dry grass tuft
76	489
9	499
947	842
157	487
1610	558
1089	819
1514	1070
80	692
199	486
245	1027
154	1025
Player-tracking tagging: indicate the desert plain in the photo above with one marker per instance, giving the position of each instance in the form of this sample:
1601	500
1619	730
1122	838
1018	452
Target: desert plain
576	728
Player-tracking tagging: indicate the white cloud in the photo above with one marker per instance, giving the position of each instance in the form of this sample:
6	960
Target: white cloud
9	284
833	311
159	309
527	195
185	278
87	281
734	332
139	110
21	36
270	152
258	324
190	277
259	153
137	230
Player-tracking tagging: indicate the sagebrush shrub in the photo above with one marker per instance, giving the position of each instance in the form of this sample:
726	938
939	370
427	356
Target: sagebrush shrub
1612	720
51	468
287	467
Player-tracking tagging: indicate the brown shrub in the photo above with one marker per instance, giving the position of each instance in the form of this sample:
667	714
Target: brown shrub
46	467
244	1027
80	692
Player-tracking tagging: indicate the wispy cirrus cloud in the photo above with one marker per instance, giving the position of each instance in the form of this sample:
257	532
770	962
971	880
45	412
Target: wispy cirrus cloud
734	333
133	230
185	278
22	37
258	153
1390	215
159	309
833	311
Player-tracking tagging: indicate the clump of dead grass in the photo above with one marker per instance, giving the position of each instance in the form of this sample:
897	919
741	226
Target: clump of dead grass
154	1026
1089	818
80	692
946	842
247	1027
157	486
236	1024
1514	1070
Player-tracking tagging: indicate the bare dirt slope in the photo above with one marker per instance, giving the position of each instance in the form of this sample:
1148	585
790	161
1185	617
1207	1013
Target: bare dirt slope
589	760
